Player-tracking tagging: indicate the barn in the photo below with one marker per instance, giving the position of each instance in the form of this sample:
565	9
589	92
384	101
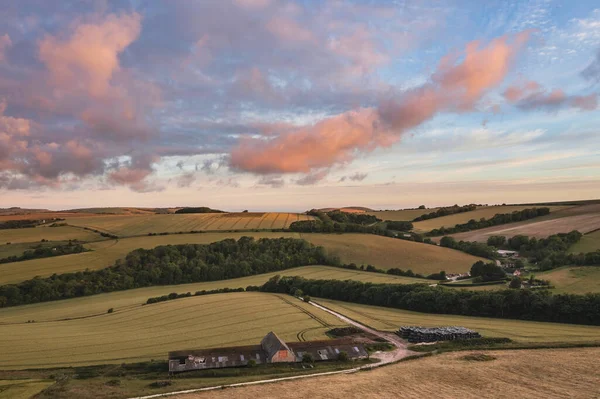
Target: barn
272	349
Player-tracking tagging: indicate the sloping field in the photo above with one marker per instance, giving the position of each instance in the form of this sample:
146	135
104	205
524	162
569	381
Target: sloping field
518	330
573	280
36	234
22	389
133	225
535	374
401	215
588	243
41	215
382	252
387	253
150	332
584	218
126	300
486	212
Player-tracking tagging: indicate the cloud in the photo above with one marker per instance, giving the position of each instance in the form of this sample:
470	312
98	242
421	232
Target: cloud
532	96
456	85
186	180
592	71
312	178
5	43
273	181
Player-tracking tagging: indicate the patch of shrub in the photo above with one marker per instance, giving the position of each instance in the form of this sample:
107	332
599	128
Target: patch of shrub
160	384
478	357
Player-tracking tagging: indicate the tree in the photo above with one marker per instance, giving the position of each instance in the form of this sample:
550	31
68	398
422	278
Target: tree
515	283
306	298
110	310
422	207
251	363
298	293
343	356
496	241
307	358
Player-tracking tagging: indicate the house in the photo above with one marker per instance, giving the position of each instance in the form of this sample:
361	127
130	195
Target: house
272	349
507	254
517	273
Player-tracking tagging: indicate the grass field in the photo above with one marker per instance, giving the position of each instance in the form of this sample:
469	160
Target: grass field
486	212
548	373
37	234
401	215
573	280
22	389
584	218
387	253
150	332
518	330
379	251
132	225
588	243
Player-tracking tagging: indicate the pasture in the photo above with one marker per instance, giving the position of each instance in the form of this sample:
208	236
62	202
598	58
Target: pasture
382	252
22	389
37	234
573	280
535	374
387	253
588	243
135	225
148	332
519	330
486	212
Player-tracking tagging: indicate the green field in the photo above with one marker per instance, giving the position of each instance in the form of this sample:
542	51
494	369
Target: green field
133	225
486	212
518	330
588	243
573	280
379	251
387	253
22	389
37	234
126	300
149	332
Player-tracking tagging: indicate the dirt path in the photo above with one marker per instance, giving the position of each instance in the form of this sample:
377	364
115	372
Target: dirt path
384	358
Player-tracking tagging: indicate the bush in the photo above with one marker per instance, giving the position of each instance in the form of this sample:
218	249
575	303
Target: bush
515	283
307	358
160	384
306	298
110	310
343	357
251	363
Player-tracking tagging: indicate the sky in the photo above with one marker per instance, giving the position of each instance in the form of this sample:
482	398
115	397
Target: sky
291	105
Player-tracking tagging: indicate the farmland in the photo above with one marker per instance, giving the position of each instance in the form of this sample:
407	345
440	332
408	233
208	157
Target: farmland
518	330
588	243
379	251
149	332
22	389
387	253
486	212
133	225
401	215
548	373
573	280
36	234
584	218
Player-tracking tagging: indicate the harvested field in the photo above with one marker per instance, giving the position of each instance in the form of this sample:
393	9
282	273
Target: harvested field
387	253
486	212
36	234
126	300
573	280
588	243
518	330
134	225
150	332
42	215
547	373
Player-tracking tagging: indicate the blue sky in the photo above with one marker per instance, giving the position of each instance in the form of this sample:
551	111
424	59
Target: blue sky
283	105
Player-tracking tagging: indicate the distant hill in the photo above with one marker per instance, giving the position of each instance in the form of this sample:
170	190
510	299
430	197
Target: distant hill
15	210
350	209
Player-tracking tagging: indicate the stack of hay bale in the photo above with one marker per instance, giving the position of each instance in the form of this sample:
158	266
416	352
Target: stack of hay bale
423	334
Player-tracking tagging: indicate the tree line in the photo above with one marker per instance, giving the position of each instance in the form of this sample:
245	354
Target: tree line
200	209
507	304
25	223
497	219
172	264
470	247
445	211
46	252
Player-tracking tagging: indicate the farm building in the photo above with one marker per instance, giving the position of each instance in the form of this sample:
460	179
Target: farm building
507	254
271	350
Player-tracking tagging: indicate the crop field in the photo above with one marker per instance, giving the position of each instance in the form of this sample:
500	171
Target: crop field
22	389
150	332
486	212
127	300
588	243
401	215
518	330
382	252
37	234
387	253
533	374
133	225
573	280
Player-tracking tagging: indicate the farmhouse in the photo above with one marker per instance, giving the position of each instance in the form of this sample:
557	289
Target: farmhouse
271	350
507	254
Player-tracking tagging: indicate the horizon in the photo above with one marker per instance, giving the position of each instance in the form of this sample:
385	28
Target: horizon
298	104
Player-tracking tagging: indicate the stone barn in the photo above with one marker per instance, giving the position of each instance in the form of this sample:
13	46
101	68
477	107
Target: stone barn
276	350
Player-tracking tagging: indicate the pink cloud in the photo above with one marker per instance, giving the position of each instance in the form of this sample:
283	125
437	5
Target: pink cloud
455	86
518	92
532	96
288	30
5	43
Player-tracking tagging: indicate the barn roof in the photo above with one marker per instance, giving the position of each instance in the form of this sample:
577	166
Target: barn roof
272	344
